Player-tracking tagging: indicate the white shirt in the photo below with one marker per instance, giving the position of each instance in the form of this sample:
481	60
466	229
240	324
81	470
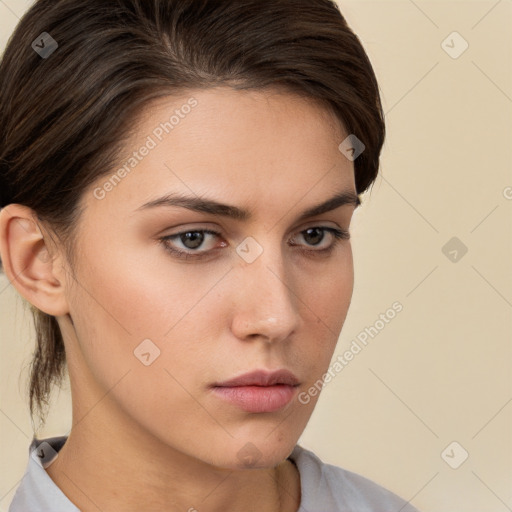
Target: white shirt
324	487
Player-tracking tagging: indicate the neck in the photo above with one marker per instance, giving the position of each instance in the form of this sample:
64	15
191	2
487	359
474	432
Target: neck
144	474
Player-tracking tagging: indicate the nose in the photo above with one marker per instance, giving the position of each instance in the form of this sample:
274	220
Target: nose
266	304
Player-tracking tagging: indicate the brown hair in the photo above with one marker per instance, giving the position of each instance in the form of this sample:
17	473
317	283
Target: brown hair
63	117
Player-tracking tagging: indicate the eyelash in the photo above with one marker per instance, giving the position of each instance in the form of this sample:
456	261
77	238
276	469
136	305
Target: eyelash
338	234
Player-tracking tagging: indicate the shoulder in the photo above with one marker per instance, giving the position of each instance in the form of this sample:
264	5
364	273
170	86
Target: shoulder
328	487
37	492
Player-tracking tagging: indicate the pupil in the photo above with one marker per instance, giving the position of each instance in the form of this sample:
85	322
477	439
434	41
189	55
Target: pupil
318	231
195	237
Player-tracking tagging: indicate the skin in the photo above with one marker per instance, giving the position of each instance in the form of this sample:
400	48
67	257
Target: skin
157	434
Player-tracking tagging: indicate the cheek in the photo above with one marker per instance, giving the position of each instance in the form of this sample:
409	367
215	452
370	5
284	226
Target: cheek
144	299
328	300
328	293
120	303
117	316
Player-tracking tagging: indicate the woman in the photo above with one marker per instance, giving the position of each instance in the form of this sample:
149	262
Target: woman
178	179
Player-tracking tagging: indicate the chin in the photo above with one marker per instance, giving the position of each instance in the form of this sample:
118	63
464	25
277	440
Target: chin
252	453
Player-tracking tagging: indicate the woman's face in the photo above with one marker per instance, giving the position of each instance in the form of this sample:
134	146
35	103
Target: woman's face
157	331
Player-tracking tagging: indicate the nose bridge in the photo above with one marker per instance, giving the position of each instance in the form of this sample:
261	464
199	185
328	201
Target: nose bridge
267	304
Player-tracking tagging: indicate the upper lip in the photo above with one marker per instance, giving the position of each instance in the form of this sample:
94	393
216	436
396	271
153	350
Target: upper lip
261	378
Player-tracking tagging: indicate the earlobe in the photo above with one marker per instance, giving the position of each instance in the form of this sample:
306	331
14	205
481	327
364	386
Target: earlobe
27	261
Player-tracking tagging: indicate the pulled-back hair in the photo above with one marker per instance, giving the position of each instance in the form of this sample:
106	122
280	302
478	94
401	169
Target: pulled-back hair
64	116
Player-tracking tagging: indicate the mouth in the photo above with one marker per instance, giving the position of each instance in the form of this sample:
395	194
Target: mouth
257	399
259	391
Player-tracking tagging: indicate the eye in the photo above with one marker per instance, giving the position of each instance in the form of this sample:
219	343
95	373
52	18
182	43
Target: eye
314	237
194	239
191	240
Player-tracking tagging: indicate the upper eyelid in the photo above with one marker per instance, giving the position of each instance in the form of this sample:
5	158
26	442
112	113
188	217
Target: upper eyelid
219	233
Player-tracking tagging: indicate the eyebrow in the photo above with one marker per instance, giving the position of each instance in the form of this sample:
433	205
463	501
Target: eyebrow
198	204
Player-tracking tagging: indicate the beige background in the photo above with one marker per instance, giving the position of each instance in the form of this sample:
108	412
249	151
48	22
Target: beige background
441	370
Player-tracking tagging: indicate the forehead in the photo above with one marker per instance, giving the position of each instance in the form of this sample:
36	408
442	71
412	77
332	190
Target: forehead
225	102
231	144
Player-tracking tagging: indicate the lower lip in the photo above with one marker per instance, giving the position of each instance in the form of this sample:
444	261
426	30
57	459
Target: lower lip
257	398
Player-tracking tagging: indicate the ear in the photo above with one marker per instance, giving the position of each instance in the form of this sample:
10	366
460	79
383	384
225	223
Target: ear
27	261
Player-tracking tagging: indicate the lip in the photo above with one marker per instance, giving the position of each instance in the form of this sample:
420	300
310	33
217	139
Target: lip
261	378
259	391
